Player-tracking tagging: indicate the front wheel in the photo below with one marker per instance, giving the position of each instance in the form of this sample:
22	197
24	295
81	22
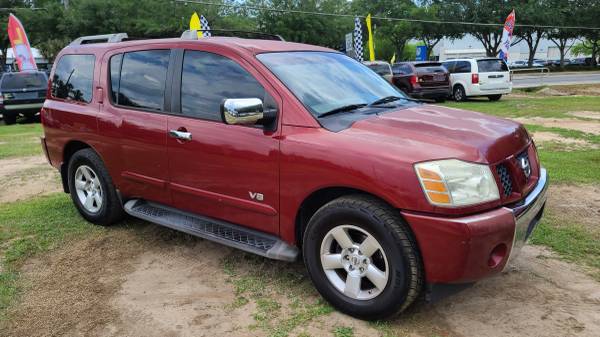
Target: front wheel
362	257
92	189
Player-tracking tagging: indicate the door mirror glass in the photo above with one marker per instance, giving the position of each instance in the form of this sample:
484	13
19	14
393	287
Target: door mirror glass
242	111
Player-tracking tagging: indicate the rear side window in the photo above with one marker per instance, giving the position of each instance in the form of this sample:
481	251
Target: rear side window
380	69
462	67
490	66
73	78
402	69
208	79
449	65
14	81
142	80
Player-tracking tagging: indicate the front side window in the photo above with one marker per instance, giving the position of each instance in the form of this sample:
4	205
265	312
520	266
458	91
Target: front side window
73	78
323	81
143	79
208	79
115	71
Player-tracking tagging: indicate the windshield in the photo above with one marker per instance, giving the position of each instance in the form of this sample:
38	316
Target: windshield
324	81
490	66
12	81
380	69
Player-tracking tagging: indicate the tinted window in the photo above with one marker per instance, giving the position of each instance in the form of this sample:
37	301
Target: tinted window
12	81
402	69
73	78
143	77
462	67
449	65
208	79
115	69
489	66
380	69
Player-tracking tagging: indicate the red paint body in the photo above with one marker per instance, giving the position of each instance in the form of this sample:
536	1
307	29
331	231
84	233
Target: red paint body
213	174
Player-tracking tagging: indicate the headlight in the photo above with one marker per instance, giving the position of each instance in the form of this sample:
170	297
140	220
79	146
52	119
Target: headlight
454	183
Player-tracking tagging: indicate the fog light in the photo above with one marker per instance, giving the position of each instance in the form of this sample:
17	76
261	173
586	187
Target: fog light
497	255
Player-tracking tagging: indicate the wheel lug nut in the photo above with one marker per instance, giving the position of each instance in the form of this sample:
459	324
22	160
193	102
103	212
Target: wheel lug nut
351	267
346	257
362	269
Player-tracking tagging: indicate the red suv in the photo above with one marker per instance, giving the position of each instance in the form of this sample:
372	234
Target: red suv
293	151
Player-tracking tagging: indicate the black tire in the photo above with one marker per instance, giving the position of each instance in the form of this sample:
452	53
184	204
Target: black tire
111	209
459	93
9	118
405	274
494	98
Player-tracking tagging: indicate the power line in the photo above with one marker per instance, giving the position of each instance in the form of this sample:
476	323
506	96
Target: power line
295	11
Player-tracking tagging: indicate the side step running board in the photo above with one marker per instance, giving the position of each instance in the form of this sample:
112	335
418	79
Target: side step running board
214	230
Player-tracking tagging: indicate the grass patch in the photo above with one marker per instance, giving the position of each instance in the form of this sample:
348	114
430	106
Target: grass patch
29	228
267	283
530	107
580	166
20	140
571	241
343	331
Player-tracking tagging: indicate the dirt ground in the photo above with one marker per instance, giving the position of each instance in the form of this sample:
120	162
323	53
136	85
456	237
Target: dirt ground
22	178
542	138
151	282
142	280
565	123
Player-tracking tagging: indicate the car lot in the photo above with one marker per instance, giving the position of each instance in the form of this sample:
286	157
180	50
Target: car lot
137	279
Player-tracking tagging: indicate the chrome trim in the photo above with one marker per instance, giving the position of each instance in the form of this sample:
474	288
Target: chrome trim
526	211
242	111
24	106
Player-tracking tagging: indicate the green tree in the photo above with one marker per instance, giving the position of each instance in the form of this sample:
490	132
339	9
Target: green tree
432	33
397	32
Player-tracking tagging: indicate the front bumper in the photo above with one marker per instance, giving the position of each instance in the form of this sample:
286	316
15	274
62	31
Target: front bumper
466	249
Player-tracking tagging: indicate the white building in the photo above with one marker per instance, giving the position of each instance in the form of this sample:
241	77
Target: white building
469	46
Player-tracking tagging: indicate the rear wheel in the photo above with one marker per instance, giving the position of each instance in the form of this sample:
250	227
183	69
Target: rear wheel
459	93
494	98
92	189
362	257
10	118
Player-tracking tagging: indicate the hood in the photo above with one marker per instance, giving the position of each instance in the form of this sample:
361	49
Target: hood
428	132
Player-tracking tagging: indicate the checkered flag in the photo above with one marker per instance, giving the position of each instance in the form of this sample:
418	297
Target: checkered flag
358	43
204	26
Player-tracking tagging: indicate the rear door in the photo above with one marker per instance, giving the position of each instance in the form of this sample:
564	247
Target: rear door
493	74
227	172
134	122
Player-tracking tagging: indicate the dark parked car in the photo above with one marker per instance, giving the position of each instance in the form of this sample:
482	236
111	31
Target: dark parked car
23	94
422	80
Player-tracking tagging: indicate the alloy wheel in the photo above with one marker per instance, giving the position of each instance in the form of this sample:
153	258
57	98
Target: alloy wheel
88	188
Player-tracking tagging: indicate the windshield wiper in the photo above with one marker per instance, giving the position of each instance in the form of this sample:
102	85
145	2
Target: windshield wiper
389	99
344	108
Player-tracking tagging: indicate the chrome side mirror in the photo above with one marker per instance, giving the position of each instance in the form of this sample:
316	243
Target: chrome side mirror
242	111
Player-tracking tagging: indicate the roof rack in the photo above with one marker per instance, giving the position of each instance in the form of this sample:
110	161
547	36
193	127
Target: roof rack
193	34
110	38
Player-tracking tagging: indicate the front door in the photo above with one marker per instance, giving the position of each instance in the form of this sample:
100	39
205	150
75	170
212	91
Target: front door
226	172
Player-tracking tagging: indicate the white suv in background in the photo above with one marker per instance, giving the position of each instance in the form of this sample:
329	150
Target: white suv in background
479	77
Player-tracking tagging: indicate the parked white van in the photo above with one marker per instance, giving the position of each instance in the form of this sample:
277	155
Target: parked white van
479	77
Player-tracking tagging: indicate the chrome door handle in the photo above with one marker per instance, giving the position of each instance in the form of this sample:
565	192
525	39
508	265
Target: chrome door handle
182	135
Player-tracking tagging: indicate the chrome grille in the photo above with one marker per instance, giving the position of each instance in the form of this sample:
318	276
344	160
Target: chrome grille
505	180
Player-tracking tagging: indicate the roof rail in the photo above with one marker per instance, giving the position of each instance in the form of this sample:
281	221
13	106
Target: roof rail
193	34
110	38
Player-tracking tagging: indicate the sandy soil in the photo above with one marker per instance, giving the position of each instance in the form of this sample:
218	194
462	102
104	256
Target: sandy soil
25	177
585	114
542	137
564	123
154	282
578	204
